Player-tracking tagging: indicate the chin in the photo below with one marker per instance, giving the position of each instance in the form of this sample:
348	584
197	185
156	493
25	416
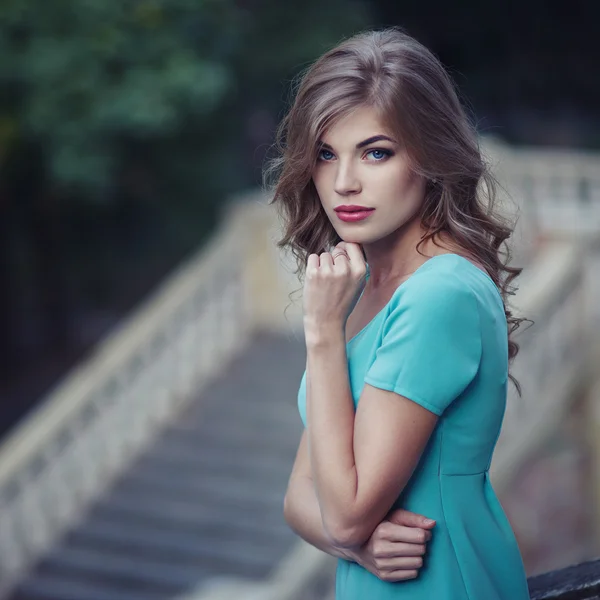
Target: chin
365	239
365	235
353	237
359	239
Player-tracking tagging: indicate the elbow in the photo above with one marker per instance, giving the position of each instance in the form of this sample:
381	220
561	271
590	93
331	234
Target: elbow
287	508
289	513
346	535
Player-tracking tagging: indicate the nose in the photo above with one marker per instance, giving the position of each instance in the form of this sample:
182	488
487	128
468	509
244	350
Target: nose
346	180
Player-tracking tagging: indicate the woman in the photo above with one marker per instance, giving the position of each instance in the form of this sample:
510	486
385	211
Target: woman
406	326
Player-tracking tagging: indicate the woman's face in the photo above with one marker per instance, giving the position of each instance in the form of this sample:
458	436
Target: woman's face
363	179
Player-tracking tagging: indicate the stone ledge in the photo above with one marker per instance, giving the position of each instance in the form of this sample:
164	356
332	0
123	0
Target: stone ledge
578	582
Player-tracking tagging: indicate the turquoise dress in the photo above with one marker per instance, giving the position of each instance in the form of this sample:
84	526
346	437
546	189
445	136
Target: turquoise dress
441	341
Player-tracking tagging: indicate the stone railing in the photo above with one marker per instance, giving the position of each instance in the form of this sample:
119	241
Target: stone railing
553	356
558	191
558	196
111	406
579	582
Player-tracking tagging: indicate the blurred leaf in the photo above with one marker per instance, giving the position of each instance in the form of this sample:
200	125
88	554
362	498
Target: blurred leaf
89	75
93	73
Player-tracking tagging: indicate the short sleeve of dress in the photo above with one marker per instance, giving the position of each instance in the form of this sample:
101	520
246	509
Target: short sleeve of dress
431	344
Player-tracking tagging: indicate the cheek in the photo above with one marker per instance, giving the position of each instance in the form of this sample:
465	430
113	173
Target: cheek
404	186
317	178
404	198
322	186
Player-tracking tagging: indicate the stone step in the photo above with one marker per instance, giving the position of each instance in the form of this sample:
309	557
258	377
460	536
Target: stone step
177	513
121	569
52	587
268	412
236	464
238	437
204	500
166	544
177	446
223	490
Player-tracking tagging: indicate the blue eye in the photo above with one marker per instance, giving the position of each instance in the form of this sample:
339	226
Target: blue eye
325	155
379	155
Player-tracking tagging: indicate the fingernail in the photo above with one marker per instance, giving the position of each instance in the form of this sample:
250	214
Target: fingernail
429	521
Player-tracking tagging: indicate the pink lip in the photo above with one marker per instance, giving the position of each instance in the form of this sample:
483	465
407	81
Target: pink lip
352	213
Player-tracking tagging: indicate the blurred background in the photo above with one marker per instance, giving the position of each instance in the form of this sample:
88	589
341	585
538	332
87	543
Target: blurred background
149	355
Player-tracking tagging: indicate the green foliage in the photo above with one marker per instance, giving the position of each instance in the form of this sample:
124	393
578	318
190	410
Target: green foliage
92	73
86	78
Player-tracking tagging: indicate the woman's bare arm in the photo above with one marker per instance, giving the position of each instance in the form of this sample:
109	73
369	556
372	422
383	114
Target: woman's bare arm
361	458
394	551
301	508
358	474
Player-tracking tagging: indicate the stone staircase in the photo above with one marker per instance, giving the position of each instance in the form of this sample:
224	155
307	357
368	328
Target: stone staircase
202	503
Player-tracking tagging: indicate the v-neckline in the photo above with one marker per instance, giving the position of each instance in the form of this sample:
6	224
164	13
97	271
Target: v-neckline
370	322
386	305
377	315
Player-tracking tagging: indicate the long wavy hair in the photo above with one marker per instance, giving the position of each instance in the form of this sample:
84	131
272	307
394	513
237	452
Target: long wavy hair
392	72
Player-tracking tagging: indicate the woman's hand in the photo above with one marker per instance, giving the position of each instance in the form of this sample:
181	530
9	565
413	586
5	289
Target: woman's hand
395	550
333	284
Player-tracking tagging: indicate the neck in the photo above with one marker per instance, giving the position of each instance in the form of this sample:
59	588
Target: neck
396	256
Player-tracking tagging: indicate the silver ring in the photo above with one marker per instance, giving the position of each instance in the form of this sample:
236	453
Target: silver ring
340	253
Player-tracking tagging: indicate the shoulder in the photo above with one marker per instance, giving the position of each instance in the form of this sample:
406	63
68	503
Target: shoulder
441	284
431	339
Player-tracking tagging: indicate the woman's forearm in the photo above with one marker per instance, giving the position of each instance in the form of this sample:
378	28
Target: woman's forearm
303	515
330	427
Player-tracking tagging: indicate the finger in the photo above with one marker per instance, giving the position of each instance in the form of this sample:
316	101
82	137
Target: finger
339	249
344	247
389	549
357	260
326	261
399	562
404	517
401	575
354	251
340	256
408	535
312	262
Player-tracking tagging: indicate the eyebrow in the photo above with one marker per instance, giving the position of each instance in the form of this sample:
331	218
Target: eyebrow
371	140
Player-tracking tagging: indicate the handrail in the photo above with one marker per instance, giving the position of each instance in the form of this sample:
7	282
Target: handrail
557	190
578	582
552	357
105	412
118	346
